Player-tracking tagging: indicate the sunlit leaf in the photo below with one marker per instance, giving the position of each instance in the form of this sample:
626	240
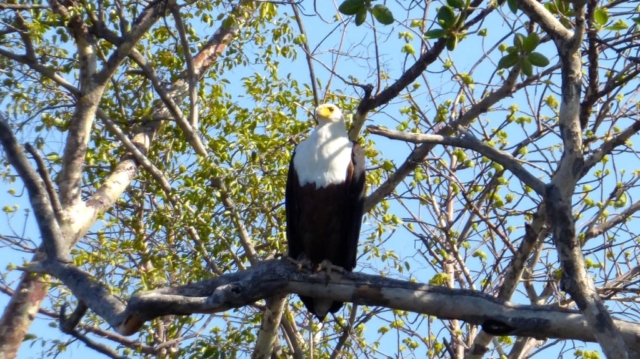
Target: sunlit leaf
527	67
618	26
601	16
456	4
452	42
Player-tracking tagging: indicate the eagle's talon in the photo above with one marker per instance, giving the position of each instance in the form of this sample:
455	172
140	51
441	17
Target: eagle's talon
304	262
329	267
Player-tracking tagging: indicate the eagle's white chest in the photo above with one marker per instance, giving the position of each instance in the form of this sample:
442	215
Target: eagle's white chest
324	157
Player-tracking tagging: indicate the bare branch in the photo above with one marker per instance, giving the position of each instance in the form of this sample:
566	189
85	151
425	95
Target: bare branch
600	229
142	24
44	174
296	340
346	332
410	75
4	6
419	153
42	70
608	146
268	332
191	74
469	142
307	52
229	205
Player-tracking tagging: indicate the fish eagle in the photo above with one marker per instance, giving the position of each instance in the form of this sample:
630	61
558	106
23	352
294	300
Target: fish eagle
324	200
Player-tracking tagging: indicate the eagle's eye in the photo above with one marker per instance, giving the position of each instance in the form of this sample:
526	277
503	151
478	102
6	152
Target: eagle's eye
331	109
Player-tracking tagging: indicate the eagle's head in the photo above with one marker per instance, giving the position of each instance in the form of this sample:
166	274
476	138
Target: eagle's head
328	113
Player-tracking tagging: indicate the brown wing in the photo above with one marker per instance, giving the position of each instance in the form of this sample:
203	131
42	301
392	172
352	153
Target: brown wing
292	209
355	191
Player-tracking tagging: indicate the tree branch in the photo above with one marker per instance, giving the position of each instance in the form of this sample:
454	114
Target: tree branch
575	278
46	178
52	238
26	300
191	74
547	21
468	141
268	332
598	230
421	152
412	73
277	277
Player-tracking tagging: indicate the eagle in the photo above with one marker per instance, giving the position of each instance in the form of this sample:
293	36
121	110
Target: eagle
325	201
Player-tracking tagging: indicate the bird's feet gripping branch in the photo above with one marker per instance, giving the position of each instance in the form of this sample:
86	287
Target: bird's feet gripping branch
302	263
329	267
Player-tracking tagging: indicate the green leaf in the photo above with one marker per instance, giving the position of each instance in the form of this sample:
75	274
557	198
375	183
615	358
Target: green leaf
518	41
446	17
531	42
538	59
527	67
434	34
636	20
382	14
508	61
361	16
456	4
452	42
618	25
351	7
551	7
513	6
512	50
601	16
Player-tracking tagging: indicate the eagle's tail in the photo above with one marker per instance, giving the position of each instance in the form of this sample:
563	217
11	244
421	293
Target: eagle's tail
321	307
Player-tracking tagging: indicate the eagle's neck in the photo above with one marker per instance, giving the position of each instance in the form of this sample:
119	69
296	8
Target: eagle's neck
324	157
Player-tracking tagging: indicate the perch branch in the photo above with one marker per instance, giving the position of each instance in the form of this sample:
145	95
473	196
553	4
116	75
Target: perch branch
277	277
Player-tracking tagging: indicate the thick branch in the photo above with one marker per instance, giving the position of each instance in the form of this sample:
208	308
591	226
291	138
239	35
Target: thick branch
52	239
277	277
575	278
547	21
268	332
469	142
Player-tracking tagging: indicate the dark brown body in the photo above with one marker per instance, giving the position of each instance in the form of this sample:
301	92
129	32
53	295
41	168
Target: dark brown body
324	223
